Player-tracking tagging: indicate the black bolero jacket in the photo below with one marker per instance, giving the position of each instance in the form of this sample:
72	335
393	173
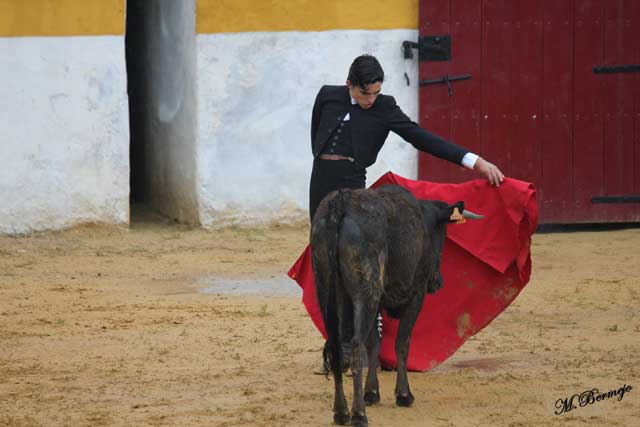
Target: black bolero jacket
370	128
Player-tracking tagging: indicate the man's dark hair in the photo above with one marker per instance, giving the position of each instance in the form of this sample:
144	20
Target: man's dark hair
365	70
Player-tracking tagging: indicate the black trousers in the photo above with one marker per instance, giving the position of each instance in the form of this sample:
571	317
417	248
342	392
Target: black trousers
331	175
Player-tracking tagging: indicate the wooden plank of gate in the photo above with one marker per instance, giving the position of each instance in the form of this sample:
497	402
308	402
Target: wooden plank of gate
632	11
588	172
527	92
635	23
434	103
466	33
497	81
557	135
618	171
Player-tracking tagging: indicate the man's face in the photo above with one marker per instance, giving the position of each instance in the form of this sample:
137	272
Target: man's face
365	97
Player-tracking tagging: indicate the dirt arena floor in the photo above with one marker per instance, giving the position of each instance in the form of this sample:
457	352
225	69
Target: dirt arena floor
105	326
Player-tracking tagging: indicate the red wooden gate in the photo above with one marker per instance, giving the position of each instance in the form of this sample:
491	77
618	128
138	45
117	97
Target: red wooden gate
534	105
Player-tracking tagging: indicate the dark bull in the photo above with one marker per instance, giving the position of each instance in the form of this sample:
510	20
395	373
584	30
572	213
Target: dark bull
375	249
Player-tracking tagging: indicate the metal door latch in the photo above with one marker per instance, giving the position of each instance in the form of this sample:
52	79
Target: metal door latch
626	198
632	68
447	80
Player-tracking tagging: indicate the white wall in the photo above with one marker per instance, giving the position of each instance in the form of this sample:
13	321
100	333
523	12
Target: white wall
64	133
255	94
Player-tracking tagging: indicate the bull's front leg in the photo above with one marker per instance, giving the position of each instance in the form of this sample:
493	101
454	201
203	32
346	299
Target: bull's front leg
405	327
371	388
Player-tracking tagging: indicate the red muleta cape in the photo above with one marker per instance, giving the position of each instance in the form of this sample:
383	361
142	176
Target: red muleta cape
485	265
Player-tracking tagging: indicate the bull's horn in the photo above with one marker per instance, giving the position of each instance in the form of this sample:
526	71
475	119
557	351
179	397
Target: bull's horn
471	215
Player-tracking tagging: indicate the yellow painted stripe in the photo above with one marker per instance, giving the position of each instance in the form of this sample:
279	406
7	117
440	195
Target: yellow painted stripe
61	17
224	16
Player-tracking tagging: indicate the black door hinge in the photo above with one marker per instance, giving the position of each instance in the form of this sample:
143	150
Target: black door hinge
430	48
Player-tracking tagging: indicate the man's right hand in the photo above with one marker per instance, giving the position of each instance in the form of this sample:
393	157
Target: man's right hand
489	171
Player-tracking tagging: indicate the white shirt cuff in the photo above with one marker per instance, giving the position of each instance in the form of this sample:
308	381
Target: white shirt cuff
469	160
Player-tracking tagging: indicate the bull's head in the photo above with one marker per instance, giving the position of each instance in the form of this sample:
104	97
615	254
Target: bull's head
437	212
459	214
435	216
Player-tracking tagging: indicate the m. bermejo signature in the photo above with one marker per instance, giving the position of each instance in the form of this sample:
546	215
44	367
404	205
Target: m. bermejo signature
588	397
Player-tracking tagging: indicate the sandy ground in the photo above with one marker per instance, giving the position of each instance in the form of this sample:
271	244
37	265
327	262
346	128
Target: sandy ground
104	326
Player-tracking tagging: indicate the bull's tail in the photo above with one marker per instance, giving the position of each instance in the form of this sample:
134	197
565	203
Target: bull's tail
332	352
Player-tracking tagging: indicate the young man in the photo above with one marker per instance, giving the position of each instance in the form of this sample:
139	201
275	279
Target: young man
350	124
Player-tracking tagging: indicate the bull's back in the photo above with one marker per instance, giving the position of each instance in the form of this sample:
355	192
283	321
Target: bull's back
379	241
362	255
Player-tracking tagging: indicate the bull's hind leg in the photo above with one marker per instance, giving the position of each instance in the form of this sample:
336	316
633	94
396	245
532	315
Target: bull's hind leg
363	320
331	307
340	410
405	327
344	307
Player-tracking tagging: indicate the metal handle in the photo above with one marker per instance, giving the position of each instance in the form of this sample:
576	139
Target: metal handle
632	68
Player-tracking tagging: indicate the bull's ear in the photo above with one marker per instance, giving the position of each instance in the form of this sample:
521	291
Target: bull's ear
456	217
456	213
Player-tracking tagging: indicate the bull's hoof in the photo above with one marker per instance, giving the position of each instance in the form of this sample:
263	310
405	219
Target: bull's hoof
404	399
359	421
371	397
342	419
